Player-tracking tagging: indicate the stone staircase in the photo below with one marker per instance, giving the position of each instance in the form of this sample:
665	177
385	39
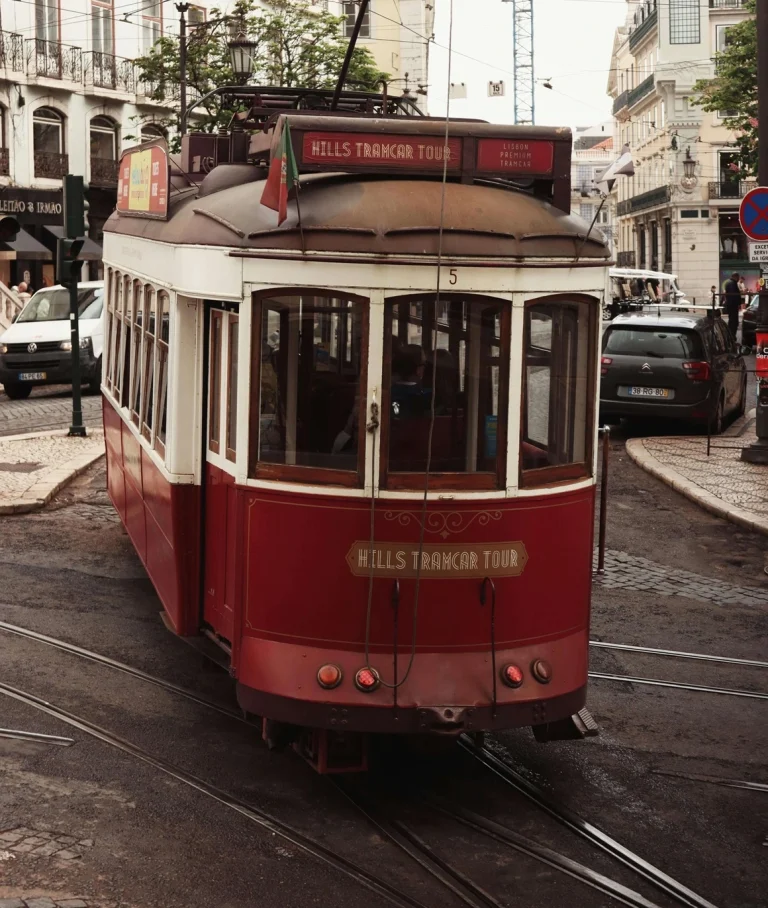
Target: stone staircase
10	307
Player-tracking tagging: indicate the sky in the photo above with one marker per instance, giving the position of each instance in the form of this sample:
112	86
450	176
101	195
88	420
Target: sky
572	47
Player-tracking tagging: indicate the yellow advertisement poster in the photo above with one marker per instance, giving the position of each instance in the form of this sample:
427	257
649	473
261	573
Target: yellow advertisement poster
141	170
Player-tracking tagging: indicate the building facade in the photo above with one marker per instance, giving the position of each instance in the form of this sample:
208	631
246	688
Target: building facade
679	212
593	151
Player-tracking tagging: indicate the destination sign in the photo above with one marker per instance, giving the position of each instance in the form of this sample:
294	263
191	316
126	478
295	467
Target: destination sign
380	150
454	561
515	156
142	185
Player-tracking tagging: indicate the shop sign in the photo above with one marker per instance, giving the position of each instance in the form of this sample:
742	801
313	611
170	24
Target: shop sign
372	150
33	206
453	561
758	252
142	185
761	360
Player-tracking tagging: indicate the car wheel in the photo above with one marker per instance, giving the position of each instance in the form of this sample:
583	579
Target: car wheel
94	385
719	417
17	391
742	407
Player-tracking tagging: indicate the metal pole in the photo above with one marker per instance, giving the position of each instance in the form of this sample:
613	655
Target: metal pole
348	56
606	432
182	10
758	452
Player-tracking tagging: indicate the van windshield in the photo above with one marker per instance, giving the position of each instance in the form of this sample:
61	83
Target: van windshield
53	305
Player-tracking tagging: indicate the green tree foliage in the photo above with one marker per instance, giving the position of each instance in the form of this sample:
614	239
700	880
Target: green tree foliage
297	45
734	89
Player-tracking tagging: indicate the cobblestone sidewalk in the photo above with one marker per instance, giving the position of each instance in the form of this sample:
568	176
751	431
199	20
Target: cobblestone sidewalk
34	467
46	409
721	482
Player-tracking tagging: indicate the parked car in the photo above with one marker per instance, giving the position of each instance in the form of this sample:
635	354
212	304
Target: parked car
749	322
672	365
37	350
631	289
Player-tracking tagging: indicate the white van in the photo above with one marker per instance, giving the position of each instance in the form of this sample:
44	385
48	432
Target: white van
37	350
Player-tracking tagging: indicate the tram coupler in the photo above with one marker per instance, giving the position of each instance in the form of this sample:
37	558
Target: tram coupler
574	728
333	751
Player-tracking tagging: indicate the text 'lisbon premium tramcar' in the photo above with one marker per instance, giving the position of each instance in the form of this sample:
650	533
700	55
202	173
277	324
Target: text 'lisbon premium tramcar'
356	449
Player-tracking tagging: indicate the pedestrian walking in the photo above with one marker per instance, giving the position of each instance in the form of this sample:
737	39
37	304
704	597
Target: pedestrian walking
24	293
733	302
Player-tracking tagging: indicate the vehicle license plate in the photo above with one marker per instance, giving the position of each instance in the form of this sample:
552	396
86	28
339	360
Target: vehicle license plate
649	392
32	376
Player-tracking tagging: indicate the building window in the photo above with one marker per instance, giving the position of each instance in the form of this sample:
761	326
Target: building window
667	241
102	27
103	139
308	382
641	232
654	246
585	212
684	21
48	131
47	20
195	16
151	23
350	17
463	341
151	132
689	213
558	381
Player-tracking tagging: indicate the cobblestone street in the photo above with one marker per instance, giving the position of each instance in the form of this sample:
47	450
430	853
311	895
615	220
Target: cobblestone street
47	408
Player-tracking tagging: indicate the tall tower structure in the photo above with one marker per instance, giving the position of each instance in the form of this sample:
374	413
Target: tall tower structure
522	49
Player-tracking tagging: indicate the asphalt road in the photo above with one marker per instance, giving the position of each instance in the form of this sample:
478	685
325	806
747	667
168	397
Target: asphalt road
69	571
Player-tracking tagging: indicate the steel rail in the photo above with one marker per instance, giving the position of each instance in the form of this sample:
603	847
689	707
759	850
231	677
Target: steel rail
16	734
679	654
547	856
583	828
714	780
657	682
121	667
407	841
266	821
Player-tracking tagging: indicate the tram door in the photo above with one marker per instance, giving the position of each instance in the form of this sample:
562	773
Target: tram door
220	518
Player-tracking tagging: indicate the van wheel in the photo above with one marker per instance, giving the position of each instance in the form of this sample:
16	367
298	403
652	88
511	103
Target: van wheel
94	385
17	391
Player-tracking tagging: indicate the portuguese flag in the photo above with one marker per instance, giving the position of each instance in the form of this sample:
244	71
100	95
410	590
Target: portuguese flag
283	175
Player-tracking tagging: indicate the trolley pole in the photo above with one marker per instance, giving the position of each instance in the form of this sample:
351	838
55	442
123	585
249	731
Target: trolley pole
182	10
758	451
68	273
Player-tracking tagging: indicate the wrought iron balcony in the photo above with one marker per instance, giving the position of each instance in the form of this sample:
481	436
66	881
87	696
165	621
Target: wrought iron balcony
51	165
731	189
643	89
4	162
726	4
104	172
626	259
11	51
644	28
53	60
164	91
107	71
621	102
645	200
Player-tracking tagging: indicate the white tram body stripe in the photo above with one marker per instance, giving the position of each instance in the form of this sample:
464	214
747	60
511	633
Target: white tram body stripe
196	273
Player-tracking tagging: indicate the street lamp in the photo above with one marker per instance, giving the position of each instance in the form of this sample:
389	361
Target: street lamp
241	52
689	181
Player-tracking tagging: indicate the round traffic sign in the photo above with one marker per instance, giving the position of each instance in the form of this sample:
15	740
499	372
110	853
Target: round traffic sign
753	213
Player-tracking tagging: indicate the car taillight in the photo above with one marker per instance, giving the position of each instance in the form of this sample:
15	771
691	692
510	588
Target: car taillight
605	362
697	371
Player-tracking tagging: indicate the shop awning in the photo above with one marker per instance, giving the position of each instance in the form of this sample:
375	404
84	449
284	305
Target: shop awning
26	248
91	252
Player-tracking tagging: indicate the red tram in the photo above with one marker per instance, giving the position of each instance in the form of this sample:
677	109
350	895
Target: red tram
271	392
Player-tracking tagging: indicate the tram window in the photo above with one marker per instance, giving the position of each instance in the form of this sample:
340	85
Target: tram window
309	386
214	390
463	341
148	370
163	330
558	381
232	388
136	352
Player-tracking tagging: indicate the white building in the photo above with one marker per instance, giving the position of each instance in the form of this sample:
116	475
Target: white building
593	151
667	219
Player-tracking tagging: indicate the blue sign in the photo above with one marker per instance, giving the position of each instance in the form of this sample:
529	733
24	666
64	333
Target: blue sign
753	213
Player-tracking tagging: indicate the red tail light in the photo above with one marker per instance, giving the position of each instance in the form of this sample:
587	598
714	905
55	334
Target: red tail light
697	371
512	675
367	679
605	362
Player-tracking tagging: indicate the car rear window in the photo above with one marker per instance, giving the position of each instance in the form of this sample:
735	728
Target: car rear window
670	343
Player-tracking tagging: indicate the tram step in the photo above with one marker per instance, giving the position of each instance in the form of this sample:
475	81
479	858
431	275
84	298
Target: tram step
574	728
203	645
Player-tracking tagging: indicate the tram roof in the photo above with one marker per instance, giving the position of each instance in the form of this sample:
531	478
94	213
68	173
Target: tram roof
368	214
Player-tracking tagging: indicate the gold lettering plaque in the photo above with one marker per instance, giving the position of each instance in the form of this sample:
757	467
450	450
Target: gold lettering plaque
454	561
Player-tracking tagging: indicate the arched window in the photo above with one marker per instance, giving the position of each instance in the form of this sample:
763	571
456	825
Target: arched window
48	143
103	151
151	131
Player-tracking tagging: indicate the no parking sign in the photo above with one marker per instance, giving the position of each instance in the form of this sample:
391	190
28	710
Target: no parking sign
753	213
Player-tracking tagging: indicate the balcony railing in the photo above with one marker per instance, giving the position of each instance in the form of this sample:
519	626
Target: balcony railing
104	172
11	51
626	259
53	60
726	4
643	89
643	29
51	165
644	200
731	189
107	71
4	163
162	91
621	102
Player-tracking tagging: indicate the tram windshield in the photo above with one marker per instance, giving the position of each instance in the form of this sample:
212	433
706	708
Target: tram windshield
449	353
